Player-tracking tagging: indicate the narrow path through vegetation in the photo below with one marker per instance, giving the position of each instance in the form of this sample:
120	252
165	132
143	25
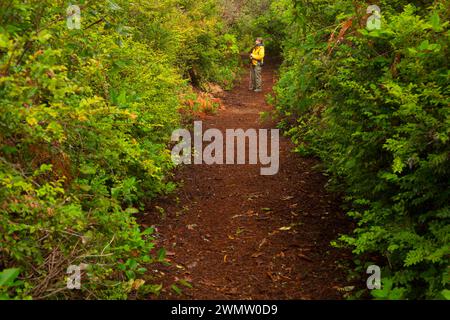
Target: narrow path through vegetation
234	234
91	93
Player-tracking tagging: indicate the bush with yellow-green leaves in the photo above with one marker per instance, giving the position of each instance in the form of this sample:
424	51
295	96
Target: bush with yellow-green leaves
85	118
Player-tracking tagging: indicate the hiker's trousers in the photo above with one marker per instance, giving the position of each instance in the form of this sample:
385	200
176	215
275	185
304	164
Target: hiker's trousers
255	77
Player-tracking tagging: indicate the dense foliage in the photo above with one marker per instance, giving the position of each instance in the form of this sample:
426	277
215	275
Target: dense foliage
249	19
85	118
374	106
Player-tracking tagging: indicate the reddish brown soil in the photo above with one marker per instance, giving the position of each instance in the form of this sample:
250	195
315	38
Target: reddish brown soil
223	233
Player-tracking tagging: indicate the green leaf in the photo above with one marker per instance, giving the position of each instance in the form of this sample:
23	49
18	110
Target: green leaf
130	274
424	45
176	289
8	276
156	288
132	264
142	270
446	294
436	22
396	294
3	41
398	165
185	283
383	293
131	210
44	36
148	231
87	169
161	254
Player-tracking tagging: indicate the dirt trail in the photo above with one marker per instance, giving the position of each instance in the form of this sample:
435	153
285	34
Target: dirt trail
223	233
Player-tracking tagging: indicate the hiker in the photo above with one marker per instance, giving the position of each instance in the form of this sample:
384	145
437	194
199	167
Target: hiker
257	61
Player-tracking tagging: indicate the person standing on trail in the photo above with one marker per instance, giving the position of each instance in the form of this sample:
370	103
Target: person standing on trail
257	61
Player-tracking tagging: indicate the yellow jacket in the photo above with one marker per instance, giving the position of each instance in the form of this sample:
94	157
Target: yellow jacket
257	54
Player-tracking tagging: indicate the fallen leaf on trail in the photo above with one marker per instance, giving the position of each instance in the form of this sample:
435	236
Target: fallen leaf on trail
285	277
273	276
191	226
344	289
253	196
207	283
304	257
176	289
287	198
185	283
257	254
137	284
262	242
230	237
292	206
225	258
285	228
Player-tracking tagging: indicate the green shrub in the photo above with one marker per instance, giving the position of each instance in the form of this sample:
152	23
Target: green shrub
374	106
85	119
